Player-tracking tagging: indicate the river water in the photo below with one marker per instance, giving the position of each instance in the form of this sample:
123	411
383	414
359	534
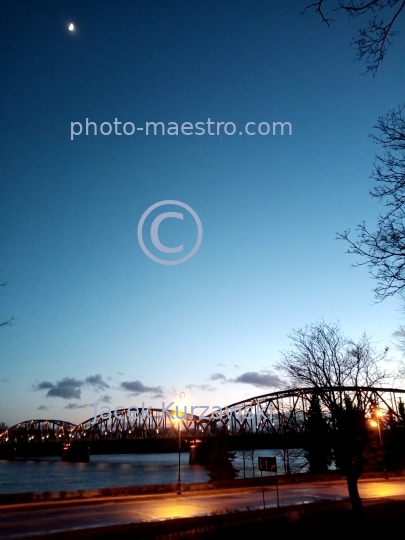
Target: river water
119	470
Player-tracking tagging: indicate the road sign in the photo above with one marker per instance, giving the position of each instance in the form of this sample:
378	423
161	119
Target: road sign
267	464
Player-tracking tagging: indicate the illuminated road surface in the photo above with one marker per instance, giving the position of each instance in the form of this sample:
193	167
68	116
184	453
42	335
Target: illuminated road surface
135	509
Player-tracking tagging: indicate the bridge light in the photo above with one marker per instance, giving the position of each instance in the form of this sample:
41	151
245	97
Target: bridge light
373	423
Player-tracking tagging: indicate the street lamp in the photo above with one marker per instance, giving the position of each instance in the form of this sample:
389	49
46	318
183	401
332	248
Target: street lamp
182	396
376	423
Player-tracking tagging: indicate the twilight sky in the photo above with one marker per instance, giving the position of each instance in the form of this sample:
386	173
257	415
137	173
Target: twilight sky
95	319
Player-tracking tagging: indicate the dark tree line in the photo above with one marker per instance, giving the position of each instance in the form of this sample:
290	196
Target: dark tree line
220	460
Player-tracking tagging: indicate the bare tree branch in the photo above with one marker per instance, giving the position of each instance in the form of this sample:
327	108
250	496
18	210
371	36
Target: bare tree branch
322	357
373	38
318	8
383	250
7	322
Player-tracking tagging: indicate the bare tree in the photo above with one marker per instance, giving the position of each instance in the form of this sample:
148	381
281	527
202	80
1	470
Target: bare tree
252	457
383	250
293	459
371	40
244	455
321	357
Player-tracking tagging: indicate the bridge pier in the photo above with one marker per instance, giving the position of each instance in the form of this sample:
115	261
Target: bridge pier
199	451
8	452
76	453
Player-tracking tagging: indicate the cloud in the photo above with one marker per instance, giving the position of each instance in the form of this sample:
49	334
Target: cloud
205	387
266	379
157	396
43	408
77	406
67	388
136	387
43	385
106	398
218	377
70	387
97	382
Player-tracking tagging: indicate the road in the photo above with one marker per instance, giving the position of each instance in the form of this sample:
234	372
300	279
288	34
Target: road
24	520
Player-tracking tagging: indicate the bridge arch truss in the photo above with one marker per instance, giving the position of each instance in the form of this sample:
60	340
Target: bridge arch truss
42	431
274	413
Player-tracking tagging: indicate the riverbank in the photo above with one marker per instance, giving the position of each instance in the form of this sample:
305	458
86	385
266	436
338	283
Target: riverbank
164	489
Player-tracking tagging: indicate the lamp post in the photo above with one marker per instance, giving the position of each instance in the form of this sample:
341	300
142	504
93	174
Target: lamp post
182	396
376	423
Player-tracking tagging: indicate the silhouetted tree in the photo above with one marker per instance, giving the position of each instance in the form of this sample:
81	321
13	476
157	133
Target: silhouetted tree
350	441
219	463
321	357
318	451
394	440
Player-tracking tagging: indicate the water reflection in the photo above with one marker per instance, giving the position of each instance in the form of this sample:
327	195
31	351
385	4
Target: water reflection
119	470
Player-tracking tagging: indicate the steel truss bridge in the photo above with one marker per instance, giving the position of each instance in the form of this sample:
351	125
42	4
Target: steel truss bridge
277	413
